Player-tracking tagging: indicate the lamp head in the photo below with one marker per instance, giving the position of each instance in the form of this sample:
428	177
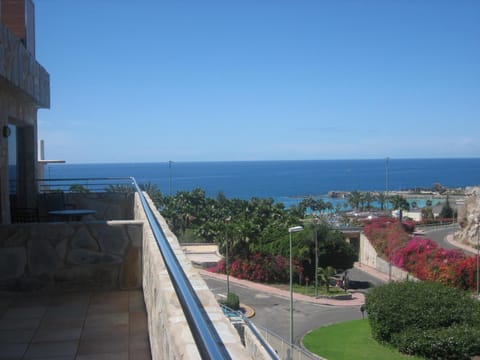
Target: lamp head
295	229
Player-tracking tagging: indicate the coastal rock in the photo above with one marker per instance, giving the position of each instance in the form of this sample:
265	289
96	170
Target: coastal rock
470	219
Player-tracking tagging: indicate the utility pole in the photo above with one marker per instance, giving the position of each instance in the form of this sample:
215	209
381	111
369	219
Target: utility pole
170	175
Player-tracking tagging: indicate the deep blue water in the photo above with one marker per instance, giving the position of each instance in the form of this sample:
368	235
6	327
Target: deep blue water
284	180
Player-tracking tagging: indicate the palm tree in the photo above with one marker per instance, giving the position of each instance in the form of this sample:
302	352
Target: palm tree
382	199
153	192
368	198
354	199
324	275
399	203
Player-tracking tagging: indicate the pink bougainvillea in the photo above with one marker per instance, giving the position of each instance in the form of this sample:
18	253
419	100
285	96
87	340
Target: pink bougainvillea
422	257
261	268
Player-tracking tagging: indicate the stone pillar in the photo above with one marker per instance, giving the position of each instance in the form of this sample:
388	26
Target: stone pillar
27	166
4	191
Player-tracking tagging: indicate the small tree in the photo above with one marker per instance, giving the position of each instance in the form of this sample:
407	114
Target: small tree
324	275
447	210
399	203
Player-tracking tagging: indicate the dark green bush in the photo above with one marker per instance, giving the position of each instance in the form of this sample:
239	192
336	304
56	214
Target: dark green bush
455	343
398	306
426	319
232	301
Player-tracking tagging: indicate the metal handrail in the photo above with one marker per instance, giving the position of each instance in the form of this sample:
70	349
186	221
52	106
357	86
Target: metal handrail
209	343
273	355
97	184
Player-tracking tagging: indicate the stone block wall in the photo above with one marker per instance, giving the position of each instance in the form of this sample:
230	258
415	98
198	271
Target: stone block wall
170	335
94	254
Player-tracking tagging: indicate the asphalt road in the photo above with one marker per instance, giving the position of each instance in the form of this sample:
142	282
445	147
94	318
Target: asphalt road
273	312
439	234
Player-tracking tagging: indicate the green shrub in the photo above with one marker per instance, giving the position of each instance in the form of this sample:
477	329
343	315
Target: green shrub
456	343
394	307
233	302
424	318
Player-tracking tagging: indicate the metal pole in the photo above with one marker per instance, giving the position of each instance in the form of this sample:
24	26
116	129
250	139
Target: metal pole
291	298
227	220
316	258
386	178
292	230
226	265
478	250
170	175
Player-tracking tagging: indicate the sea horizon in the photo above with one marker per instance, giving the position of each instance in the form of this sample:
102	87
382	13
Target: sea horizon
267	160
285	181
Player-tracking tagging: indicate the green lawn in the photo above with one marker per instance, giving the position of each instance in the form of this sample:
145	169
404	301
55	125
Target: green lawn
349	340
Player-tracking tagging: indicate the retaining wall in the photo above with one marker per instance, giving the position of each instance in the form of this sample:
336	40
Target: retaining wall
368	256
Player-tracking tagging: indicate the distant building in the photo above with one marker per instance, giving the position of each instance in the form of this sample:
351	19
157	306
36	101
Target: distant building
24	88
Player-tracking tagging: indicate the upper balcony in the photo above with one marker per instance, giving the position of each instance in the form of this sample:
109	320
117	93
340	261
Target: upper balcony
20	69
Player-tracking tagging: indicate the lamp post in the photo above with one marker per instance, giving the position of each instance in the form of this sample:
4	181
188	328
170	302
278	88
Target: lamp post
315	222
387	160
476	221
478	253
227	220
292	230
170	175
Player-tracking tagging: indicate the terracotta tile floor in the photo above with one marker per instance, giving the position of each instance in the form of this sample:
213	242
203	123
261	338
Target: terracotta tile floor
67	326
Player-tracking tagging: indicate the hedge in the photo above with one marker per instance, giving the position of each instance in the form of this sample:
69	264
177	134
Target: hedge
400	311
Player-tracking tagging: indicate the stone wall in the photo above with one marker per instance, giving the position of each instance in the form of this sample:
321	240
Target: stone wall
170	336
94	254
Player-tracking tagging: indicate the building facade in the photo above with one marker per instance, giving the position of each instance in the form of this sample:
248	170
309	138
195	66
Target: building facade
24	88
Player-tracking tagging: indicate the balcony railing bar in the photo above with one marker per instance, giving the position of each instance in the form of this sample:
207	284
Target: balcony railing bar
209	343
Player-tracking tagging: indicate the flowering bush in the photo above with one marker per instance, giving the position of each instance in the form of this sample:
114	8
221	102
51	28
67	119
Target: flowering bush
421	256
386	235
261	268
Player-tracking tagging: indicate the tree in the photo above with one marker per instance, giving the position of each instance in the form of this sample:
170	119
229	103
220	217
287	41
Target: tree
382	199
427	214
399	203
368	198
354	199
78	189
447	210
153	192
324	275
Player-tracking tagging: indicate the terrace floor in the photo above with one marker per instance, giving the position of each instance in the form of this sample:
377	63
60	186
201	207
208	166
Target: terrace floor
87	325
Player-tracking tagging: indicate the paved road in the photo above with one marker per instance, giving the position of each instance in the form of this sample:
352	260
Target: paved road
439	236
273	311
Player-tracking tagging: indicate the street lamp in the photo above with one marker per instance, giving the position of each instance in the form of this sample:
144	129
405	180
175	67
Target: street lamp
227	220
476	221
292	230
315	222
387	160
170	175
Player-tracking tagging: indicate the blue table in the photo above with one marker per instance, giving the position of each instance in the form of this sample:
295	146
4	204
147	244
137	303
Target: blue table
72	214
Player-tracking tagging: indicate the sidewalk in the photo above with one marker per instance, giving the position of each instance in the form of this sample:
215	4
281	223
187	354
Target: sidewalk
371	271
450	240
357	298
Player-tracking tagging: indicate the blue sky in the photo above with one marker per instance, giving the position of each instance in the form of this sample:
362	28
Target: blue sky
205	80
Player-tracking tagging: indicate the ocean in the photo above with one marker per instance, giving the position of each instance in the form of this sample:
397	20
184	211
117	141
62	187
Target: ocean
285	181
